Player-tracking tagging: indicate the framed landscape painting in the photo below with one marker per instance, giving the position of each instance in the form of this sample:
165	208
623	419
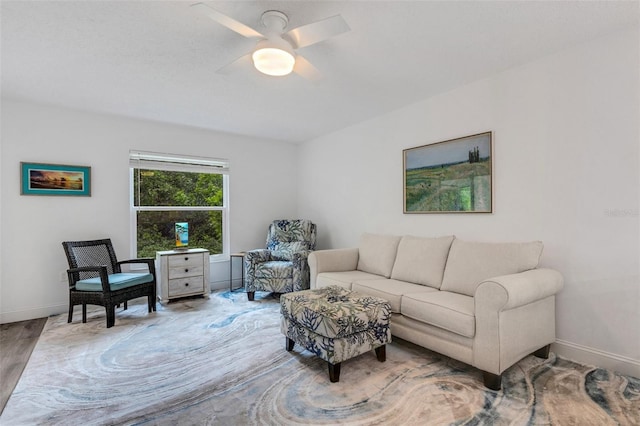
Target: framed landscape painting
453	176
54	179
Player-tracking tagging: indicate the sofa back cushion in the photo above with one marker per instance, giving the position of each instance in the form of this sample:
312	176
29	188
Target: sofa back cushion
421	260
377	253
470	263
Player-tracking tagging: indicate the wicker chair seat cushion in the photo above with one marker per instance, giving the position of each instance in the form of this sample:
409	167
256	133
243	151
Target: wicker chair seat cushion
116	282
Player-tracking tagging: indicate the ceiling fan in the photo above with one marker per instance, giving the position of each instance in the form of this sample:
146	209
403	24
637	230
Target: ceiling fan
275	51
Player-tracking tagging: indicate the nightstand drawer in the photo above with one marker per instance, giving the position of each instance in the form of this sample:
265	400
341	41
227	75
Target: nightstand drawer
186	271
184	286
185	260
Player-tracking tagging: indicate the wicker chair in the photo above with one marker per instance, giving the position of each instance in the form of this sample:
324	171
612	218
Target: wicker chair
95	278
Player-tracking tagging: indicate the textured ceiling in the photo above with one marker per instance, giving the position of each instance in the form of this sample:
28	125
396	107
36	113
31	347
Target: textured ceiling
158	59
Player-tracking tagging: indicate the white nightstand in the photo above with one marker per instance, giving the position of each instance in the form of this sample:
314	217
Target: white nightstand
182	273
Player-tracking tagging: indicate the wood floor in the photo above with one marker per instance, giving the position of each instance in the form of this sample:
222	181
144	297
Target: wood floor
17	340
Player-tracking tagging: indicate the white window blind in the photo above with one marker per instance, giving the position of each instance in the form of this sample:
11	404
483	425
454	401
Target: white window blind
161	161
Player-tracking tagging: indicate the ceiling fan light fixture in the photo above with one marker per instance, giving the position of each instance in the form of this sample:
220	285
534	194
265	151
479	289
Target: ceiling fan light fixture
274	57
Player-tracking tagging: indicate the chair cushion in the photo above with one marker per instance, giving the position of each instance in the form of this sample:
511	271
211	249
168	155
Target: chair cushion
274	269
116	281
422	260
377	253
390	290
285	250
470	263
451	311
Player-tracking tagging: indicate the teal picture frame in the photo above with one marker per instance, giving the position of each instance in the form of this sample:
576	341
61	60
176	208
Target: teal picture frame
55	179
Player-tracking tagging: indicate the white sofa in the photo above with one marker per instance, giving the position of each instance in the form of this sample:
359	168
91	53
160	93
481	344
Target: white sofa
485	304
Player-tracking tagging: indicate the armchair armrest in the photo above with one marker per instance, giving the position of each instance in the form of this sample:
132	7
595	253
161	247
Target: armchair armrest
257	256
333	260
251	259
73	274
300	256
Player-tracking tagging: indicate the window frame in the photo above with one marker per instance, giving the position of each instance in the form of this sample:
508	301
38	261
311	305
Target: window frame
179	163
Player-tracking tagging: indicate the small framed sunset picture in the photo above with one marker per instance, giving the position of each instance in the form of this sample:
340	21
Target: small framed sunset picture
54	179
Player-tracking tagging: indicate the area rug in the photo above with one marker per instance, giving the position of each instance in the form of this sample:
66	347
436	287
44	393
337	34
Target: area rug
222	361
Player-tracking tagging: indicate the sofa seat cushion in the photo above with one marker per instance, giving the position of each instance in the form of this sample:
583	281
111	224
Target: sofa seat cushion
451	311
343	279
390	290
470	263
377	253
421	260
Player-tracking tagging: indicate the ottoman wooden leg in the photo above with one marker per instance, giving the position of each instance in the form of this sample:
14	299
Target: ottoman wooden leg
381	353
290	344
334	372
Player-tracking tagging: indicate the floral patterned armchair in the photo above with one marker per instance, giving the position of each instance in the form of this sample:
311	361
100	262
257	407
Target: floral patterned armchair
282	267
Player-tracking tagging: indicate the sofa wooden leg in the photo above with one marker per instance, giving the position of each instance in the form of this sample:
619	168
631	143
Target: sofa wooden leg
84	312
381	353
290	344
334	372
70	317
251	295
543	352
492	381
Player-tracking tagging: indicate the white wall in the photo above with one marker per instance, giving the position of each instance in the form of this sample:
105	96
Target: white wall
566	172
33	227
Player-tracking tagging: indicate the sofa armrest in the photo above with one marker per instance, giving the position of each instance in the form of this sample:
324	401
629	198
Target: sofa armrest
510	291
515	315
334	260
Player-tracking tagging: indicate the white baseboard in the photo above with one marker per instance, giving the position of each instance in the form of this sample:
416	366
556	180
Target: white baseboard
42	312
596	357
28	314
223	285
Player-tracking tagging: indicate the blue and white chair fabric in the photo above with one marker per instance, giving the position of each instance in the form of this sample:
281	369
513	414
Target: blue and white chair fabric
282	266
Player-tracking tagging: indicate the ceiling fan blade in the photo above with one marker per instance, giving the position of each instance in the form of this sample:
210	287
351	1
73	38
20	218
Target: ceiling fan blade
228	22
315	32
304	69
244	61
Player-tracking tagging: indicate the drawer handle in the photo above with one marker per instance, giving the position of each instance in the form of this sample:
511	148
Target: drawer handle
186	270
186	284
186	258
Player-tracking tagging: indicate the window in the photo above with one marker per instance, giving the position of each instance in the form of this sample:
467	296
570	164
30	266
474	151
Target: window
166	189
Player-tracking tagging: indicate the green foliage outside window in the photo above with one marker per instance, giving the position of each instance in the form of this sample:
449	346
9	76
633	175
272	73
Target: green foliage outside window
163	188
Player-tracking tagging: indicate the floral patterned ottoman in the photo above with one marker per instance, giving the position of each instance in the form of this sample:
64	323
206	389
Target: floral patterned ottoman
335	324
